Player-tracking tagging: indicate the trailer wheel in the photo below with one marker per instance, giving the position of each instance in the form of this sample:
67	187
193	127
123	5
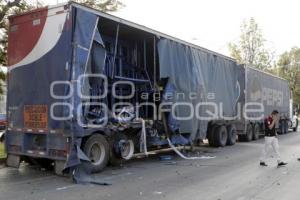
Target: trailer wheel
210	135
97	150
286	126
120	149
232	132
220	136
248	136
256	131
281	127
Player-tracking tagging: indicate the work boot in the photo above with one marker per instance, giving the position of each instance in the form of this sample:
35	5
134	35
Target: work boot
263	164
281	164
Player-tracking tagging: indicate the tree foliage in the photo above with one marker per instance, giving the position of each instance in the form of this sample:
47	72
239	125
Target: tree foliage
288	67
250	49
7	8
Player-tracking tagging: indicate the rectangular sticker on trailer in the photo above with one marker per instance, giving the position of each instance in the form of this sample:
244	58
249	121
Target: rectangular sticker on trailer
36	116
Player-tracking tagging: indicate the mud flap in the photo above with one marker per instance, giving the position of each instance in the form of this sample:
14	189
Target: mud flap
81	175
13	160
59	166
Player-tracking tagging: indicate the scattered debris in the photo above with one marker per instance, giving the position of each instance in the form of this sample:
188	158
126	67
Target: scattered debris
157	192
187	158
118	175
171	163
285	172
65	187
166	157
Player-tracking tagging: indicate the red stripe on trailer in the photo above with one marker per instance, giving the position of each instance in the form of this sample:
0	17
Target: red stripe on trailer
20	44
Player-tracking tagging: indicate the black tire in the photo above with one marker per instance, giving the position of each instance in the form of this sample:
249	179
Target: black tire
220	136
115	159
210	135
96	148
232	133
286	126
281	130
248	136
256	132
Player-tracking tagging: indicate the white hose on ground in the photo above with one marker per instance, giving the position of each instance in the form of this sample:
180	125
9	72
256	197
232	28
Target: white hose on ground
187	158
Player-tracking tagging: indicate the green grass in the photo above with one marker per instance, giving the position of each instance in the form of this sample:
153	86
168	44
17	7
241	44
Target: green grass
2	153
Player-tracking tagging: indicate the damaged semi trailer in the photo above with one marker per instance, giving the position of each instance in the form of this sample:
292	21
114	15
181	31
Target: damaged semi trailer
85	85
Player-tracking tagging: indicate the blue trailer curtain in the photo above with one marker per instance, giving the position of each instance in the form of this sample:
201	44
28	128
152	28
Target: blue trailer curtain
88	54
198	76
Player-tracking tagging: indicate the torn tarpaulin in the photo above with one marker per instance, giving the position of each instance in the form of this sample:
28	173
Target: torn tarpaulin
209	78
88	42
81	175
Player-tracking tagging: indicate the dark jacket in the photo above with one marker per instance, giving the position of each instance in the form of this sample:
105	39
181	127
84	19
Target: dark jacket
269	132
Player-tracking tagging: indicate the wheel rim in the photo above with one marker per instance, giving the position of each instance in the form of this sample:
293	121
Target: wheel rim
126	149
97	153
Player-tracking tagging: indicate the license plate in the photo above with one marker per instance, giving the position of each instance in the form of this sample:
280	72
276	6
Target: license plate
36	116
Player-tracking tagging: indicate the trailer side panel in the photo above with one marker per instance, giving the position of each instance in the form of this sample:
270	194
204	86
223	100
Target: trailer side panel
271	91
211	79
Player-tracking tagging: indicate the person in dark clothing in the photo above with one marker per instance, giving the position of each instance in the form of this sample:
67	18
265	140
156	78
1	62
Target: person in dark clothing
271	139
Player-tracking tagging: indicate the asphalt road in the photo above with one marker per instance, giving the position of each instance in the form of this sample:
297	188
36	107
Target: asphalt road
234	175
